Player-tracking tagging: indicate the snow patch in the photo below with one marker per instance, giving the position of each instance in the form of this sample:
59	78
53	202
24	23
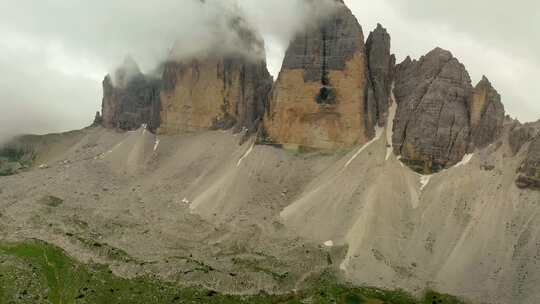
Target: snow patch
248	152
156	144
329	243
390	124
466	159
378	133
424	181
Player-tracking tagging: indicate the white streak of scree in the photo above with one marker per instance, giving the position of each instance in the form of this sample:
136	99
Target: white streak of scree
245	155
390	124
378	134
156	144
424	181
466	159
144	126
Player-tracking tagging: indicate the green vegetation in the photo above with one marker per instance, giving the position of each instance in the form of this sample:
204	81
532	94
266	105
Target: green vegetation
37	273
17	154
15	157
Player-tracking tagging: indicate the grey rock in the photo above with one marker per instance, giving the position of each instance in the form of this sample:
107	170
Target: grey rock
519	136
130	99
326	46
381	70
529	172
487	114
431	127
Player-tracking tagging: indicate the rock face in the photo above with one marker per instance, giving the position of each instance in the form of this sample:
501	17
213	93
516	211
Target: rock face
518	137
130	99
322	98
431	128
487	114
529	173
440	117
381	69
214	93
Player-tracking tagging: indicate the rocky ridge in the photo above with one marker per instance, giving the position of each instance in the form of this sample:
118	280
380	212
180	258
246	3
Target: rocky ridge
440	116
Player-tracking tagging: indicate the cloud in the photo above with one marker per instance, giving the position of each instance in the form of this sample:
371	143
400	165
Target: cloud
54	54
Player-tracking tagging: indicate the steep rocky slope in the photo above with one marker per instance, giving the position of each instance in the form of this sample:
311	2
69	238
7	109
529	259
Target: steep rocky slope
157	198
322	98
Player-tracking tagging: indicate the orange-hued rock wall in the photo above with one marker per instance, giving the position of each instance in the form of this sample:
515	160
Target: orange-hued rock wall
323	98
213	93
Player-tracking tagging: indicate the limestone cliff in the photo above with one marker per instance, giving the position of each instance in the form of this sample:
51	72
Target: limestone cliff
322	98
130	99
214	93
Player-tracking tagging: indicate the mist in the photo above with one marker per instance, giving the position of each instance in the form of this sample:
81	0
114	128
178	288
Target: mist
55	54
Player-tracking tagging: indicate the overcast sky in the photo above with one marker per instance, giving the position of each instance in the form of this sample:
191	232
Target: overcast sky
54	53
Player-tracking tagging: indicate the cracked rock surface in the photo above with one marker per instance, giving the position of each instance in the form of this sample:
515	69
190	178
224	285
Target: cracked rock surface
431	128
529	172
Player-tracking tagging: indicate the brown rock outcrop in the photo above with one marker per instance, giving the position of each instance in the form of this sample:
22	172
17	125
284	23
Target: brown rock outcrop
130	99
487	114
322	98
214	93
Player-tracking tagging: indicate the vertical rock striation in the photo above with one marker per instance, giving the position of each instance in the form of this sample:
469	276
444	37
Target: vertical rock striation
222	87
130	99
381	70
214	93
440	117
322	98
